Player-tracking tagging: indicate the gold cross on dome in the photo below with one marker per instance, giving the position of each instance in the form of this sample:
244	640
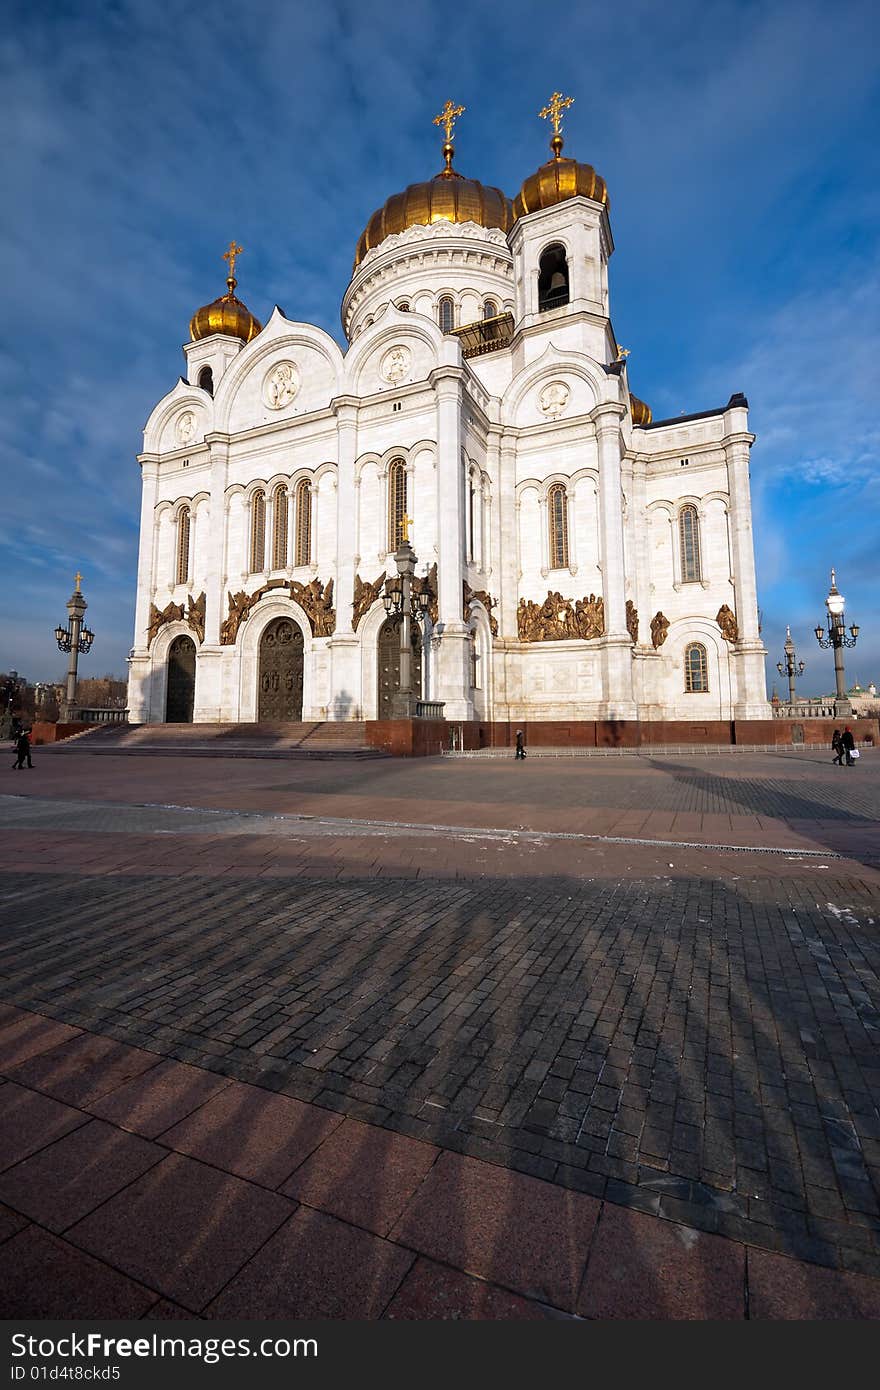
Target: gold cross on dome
230	256
77	580
448	116
554	109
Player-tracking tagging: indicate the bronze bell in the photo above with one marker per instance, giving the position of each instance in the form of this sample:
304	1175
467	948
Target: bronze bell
557	282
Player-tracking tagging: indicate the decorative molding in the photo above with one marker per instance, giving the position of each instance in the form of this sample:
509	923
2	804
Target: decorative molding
365	596
659	630
632	620
726	620
470	595
558	620
193	615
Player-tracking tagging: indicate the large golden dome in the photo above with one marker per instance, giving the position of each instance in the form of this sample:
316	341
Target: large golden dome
448	197
641	413
557	180
227	314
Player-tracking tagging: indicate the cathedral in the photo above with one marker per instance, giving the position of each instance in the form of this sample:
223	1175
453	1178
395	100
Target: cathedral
573	557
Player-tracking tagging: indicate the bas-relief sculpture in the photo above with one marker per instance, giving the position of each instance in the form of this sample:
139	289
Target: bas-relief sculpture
365	596
185	427
428	582
553	399
395	365
632	620
659	629
281	385
315	599
726	620
558	620
193	614
470	595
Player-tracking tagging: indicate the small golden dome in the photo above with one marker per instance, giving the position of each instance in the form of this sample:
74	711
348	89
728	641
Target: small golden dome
227	314
448	197
557	180
641	413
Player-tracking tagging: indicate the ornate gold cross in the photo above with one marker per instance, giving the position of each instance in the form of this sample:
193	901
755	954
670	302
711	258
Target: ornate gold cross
405	523
554	109
77	580
230	256
448	116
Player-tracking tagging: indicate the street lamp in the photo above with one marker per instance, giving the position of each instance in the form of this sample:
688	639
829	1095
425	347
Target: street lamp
74	638
400	601
791	667
837	638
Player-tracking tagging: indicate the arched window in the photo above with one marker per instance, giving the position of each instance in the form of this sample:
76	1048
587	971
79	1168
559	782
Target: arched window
446	314
696	668
303	523
552	278
206	380
183	527
689	541
396	502
557	508
403	306
490	309
279	527
258	532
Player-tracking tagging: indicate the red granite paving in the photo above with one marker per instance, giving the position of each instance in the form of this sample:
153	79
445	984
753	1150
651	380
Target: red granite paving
789	1289
153	1102
183	1228
68	1179
31	1121
316	1267
83	1069
434	1292
258	1135
10	1222
640	1267
363	1174
42	1276
517	1231
27	1035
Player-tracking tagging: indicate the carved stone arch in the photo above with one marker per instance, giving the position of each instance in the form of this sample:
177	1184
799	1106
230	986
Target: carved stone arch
394	327
160	648
553	480
528	485
550	364
247	648
255	485
323	470
181	397
365	461
280	334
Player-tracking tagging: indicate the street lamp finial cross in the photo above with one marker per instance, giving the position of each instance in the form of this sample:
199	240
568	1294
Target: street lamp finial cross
77	580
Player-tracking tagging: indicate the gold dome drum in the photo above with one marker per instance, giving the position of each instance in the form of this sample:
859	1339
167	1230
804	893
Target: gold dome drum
556	181
449	197
641	413
225	315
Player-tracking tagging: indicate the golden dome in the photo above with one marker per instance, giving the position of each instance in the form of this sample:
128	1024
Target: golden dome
641	413
227	314
448	197
557	180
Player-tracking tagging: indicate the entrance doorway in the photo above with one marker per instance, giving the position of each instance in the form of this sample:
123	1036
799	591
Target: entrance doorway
281	673
181	681
389	664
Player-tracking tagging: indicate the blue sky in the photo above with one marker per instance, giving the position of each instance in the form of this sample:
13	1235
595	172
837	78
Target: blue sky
738	140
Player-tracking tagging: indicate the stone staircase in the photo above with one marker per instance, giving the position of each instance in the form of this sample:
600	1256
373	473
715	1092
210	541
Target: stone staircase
326	739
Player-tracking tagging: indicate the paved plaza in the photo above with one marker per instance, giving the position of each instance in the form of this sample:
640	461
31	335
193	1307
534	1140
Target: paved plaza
465	1038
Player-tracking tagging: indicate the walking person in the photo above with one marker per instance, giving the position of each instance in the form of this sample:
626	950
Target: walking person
23	750
520	744
848	743
837	747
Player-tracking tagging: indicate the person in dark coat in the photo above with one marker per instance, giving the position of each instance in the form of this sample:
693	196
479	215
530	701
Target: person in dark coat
837	748
848	743
520	744
23	750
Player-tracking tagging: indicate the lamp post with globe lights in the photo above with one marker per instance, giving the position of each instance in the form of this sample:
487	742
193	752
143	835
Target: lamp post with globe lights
791	667
837	638
400	601
74	638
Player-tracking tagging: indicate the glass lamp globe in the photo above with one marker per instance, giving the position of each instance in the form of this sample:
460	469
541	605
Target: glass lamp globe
835	603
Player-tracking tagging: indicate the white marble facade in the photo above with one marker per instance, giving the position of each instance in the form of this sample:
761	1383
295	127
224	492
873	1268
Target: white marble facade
484	439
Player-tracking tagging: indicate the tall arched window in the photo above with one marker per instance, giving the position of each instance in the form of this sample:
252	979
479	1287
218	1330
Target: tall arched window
396	502
552	278
557	509
490	309
696	668
446	314
279	527
303	523
689	541
183	527
206	380
258	532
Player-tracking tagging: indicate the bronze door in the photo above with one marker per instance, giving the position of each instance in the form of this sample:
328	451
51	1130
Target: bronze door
389	664
181	681
281	673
